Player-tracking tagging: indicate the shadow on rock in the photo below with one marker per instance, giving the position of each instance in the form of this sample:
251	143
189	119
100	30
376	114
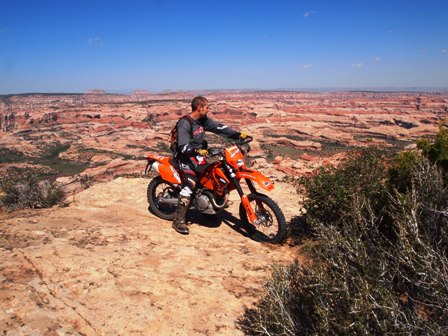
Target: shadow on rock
215	221
234	223
210	221
299	230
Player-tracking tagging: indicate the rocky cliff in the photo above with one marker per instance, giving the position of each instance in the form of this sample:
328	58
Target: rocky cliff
103	265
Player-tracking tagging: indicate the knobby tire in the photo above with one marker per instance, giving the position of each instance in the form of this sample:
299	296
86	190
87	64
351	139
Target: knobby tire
265	205
162	211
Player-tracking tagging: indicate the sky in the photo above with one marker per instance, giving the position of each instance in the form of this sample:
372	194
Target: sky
157	45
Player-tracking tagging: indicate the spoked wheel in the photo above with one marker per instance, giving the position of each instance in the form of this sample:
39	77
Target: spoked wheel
270	225
162	198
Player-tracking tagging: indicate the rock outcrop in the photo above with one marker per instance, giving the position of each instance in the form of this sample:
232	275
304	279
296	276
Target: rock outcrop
104	265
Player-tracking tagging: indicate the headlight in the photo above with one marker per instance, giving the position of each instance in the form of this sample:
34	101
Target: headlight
240	163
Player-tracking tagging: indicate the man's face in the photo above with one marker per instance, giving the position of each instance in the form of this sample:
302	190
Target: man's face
203	110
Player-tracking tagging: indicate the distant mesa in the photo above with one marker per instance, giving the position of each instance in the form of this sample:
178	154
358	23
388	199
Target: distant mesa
140	92
96	91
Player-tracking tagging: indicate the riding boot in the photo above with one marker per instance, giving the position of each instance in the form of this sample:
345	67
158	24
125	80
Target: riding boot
179	223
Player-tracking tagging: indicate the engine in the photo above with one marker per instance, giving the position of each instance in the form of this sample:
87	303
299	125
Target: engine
206	202
205	205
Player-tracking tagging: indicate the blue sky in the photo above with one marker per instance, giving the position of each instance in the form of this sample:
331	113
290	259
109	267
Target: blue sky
155	45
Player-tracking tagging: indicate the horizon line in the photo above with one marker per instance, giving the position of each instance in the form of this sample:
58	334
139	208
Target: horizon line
391	89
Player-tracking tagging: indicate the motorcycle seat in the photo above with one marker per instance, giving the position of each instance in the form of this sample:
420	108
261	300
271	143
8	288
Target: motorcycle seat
201	168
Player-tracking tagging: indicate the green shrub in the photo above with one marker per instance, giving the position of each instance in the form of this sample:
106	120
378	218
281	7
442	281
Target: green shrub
401	169
330	193
345	290
437	151
28	191
379	264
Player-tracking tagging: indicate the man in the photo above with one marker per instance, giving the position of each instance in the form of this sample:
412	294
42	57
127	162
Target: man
191	152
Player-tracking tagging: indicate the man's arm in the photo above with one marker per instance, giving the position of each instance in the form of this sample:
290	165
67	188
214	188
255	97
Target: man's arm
183	138
221	129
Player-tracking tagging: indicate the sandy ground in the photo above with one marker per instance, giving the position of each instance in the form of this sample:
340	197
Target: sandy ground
104	265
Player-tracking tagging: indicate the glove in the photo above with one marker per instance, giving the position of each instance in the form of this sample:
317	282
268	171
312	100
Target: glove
243	135
202	152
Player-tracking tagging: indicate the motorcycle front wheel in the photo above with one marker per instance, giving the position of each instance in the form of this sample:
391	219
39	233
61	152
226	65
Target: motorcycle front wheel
162	198
270	225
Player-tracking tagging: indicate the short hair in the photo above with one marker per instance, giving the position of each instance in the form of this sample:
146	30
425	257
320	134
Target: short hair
198	102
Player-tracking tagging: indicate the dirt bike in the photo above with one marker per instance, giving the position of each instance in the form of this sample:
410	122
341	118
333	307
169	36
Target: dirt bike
260	215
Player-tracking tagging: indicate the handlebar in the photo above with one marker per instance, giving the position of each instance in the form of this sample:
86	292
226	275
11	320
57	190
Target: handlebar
240	143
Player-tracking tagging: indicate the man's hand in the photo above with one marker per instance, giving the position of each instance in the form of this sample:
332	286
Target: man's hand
202	152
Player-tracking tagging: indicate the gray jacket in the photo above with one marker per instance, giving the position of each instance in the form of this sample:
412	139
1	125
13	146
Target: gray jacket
190	134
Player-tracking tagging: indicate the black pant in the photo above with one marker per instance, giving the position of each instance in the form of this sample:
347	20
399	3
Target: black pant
189	177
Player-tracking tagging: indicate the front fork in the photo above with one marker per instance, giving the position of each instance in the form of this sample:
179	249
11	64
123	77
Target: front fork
244	199
250	212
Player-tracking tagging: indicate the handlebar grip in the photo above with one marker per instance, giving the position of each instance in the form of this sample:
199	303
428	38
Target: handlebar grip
245	141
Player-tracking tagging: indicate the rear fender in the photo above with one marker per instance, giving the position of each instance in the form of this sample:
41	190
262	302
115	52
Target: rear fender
162	165
262	180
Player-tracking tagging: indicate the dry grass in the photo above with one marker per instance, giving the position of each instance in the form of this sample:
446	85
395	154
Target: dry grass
379	266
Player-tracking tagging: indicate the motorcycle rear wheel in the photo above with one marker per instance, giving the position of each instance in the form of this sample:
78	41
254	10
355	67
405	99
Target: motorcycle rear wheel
271	226
159	190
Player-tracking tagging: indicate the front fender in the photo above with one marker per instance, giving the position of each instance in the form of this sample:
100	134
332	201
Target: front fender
262	180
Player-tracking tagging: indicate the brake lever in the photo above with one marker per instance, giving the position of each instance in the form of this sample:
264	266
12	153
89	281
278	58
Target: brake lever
244	141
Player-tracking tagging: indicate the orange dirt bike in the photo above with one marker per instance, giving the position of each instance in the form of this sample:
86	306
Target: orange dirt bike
260	215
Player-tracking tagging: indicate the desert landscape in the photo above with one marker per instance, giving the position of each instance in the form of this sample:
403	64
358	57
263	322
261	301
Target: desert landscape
97	136
101	264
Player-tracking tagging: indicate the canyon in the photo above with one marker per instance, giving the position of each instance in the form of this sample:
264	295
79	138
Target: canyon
98	136
102	264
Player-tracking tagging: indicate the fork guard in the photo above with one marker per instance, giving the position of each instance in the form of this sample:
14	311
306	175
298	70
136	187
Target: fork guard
262	180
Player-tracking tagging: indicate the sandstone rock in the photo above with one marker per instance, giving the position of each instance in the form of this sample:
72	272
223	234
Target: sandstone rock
101	158
296	144
116	167
308	157
114	125
278	159
105	266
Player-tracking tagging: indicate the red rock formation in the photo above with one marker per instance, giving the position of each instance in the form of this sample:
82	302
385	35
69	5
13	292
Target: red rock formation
283	123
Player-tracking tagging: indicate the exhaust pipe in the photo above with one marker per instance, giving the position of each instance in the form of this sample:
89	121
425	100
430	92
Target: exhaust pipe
170	201
213	200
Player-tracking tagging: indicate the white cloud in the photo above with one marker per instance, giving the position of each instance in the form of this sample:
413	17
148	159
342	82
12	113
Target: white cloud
377	59
357	65
309	13
307	66
95	41
444	50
